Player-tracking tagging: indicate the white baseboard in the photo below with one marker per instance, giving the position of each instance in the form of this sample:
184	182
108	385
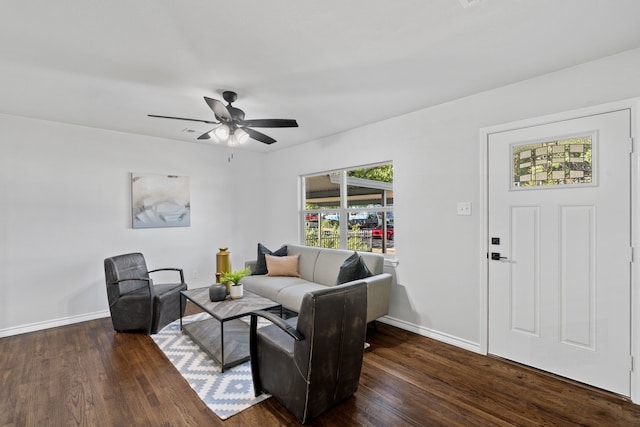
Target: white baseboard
430	333
411	327
31	327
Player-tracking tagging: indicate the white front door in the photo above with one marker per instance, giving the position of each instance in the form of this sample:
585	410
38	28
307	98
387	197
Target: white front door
560	220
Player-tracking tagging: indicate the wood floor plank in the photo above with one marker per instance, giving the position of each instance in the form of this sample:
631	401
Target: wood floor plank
88	375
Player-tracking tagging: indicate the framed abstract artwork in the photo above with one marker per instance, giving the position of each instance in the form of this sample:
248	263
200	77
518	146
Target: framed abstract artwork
160	201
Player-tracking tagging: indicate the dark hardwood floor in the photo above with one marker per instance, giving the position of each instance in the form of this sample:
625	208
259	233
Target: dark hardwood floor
87	375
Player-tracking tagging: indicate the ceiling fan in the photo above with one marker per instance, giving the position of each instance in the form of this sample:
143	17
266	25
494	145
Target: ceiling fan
234	129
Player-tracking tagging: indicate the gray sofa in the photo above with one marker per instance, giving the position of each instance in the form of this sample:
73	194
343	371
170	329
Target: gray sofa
319	268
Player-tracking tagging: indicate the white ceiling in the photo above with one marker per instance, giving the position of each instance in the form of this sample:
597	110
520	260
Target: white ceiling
333	65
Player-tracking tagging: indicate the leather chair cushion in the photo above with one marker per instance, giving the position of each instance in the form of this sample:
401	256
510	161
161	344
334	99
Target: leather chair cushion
277	338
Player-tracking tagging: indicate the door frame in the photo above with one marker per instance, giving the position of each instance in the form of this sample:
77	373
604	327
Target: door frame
633	105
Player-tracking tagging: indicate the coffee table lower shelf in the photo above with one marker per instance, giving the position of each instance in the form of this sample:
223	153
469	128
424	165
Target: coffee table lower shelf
226	342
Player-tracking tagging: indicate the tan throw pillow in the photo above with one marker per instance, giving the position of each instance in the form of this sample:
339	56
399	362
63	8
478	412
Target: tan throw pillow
282	265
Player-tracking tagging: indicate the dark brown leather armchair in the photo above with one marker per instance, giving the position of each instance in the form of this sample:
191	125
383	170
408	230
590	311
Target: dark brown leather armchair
135	302
313	361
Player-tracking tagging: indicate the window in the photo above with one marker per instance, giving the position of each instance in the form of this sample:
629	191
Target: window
553	163
350	209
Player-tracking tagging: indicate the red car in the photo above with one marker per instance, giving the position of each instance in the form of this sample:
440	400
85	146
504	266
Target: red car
376	233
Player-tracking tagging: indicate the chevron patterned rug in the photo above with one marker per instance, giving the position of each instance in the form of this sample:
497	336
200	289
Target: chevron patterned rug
227	393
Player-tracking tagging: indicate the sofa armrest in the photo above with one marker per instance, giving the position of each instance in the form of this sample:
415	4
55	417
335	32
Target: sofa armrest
378	295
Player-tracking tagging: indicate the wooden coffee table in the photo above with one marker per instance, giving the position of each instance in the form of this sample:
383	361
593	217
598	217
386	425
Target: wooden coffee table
224	336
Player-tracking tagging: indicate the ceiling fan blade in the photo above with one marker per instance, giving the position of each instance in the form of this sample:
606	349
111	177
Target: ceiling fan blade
219	109
271	123
205	136
259	136
183	118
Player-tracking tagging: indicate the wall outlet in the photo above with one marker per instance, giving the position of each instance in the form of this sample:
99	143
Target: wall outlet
194	274
464	208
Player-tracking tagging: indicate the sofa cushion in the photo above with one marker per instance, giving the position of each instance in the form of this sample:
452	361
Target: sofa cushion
308	257
328	265
282	265
353	268
291	296
261	263
270	287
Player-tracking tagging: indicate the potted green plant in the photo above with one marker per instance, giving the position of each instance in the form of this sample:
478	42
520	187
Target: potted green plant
233	278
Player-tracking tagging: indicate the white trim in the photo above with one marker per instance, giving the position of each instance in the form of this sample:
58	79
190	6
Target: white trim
344	224
38	326
635	239
430	333
633	105
483	322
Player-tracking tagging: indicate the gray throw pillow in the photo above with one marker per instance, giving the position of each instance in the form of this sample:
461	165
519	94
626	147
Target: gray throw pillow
261	263
353	268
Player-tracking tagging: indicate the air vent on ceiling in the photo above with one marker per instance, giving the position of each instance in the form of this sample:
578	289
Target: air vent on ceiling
467	3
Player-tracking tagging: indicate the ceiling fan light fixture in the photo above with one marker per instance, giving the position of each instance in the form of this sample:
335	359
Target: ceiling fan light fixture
221	133
213	138
233	141
241	136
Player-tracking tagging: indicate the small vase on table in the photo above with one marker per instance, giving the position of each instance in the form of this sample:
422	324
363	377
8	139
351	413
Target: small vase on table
237	291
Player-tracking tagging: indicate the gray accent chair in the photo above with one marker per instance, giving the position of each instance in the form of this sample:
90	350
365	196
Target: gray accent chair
135	302
312	362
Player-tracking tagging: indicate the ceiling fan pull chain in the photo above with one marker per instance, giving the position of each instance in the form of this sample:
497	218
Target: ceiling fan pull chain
230	153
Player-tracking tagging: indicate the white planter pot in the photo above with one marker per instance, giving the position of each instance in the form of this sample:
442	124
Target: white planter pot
236	291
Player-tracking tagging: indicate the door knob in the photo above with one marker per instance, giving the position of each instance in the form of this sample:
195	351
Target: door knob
495	256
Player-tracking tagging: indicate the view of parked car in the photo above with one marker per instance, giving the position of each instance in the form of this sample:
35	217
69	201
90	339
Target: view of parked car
376	233
363	220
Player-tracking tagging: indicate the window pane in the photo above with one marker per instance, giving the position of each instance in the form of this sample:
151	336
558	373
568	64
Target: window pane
322	191
553	163
372	186
360	226
363	219
311	220
326	231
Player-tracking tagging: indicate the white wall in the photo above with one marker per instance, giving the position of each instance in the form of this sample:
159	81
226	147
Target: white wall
65	206
436	163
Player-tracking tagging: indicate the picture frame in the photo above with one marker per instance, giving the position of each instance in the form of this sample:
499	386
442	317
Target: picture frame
159	201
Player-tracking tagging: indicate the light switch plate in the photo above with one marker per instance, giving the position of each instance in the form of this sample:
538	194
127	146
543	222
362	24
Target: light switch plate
464	208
